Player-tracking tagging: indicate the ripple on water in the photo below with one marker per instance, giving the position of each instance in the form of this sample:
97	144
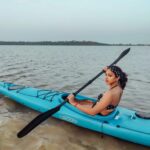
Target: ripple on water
46	67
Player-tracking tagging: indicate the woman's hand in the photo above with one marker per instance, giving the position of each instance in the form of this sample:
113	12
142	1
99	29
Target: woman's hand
71	99
105	69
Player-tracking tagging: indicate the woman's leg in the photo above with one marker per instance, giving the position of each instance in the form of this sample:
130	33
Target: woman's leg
73	101
86	103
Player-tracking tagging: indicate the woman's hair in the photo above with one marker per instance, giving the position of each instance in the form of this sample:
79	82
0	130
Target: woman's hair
119	73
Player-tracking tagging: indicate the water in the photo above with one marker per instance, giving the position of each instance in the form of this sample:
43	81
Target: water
67	68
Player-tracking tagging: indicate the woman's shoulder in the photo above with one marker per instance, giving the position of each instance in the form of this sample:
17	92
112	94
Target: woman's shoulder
108	94
112	93
116	90
107	97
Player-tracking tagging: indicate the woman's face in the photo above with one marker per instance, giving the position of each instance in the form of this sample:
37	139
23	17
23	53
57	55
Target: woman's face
110	77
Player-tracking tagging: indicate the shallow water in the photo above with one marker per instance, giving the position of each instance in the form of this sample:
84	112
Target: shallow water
66	69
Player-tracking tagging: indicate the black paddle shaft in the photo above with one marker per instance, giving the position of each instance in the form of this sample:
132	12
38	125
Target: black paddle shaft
43	116
90	81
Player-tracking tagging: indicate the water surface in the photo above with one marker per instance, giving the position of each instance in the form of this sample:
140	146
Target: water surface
67	68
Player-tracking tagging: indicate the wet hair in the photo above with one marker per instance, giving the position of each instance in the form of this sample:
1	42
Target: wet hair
119	73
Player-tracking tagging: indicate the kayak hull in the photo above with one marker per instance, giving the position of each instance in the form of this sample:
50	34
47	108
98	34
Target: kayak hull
122	123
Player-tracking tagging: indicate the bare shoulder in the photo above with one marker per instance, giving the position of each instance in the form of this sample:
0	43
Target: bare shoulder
116	92
108	95
105	100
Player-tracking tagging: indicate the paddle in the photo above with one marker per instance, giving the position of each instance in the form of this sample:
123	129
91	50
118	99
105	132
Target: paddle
43	116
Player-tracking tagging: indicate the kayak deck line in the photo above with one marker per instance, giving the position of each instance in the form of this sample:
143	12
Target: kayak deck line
122	123
42	94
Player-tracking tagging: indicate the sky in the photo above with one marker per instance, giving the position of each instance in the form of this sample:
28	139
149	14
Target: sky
106	21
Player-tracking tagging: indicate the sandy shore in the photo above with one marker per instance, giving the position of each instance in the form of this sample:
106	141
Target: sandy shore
53	134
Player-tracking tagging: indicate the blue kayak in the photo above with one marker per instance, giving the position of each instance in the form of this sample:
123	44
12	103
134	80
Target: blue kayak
122	123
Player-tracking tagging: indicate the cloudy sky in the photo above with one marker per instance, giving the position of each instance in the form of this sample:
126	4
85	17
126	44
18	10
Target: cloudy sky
108	21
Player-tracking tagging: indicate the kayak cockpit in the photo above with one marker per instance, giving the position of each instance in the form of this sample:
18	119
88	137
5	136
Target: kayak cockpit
112	115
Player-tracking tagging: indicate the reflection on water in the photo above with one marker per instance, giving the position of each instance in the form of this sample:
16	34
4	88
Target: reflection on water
66	69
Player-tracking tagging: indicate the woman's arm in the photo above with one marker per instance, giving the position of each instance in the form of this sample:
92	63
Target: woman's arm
100	106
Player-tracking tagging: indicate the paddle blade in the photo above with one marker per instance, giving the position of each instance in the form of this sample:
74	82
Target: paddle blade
125	52
35	122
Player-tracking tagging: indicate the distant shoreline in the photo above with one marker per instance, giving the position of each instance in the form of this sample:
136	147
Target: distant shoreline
66	43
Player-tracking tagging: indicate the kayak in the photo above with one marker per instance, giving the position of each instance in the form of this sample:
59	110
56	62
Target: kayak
122	123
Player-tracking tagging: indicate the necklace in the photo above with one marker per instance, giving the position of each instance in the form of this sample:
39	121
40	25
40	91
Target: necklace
113	87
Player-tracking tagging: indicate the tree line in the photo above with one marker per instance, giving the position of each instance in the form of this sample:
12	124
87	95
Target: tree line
67	43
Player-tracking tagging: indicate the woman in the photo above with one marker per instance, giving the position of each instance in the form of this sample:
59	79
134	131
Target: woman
116	80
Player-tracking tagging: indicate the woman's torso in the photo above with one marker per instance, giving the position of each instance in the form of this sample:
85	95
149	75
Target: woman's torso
115	99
